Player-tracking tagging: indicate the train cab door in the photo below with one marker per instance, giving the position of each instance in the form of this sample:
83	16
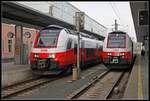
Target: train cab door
82	52
69	53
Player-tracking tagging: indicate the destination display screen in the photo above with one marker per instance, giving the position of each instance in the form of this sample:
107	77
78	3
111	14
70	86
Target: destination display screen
115	41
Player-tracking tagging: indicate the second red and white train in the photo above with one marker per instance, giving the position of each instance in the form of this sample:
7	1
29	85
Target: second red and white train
118	50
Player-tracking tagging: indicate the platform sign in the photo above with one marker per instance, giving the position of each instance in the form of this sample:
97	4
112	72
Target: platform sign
80	16
143	18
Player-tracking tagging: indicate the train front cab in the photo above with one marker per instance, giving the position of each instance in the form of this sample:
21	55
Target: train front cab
44	58
117	59
117	51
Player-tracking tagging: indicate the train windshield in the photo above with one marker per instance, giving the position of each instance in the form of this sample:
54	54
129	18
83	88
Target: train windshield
116	41
48	37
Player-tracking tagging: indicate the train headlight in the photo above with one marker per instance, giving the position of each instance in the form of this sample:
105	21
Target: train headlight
109	54
52	56
36	55
122	54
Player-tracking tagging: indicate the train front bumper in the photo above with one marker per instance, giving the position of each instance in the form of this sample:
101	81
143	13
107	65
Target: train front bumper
115	60
44	64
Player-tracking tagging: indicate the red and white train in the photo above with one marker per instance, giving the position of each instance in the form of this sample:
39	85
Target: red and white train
118	50
55	50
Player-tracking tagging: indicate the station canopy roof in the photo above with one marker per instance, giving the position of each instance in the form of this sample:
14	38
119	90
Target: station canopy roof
15	13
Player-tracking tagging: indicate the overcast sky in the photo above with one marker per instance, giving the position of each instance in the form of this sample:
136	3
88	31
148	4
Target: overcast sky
106	12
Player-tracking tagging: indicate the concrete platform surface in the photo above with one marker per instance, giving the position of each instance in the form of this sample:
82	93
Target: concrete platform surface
12	73
60	89
138	86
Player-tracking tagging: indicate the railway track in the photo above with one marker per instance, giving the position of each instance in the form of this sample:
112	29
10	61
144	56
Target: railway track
20	82
27	85
98	88
24	86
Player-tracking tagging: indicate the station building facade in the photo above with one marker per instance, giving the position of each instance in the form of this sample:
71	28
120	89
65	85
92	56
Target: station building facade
8	44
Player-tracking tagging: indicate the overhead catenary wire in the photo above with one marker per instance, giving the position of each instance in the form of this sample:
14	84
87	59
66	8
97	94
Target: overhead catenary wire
114	10
117	13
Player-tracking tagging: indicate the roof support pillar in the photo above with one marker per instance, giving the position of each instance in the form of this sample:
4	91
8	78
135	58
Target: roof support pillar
18	45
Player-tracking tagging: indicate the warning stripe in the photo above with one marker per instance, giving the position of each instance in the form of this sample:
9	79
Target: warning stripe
140	89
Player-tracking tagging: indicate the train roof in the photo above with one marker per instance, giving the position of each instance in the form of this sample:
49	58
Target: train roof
118	31
53	26
82	34
71	31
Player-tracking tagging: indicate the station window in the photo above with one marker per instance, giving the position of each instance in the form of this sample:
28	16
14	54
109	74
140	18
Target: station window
3	45
9	45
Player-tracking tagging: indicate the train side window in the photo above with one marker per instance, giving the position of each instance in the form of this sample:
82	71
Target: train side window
75	48
69	44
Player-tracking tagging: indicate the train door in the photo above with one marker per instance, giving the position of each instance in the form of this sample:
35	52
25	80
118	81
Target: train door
82	52
69	52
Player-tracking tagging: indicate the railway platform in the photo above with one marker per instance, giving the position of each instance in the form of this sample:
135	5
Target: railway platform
137	87
12	73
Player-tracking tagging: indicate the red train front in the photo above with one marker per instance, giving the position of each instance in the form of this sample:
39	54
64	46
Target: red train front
55	51
118	50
